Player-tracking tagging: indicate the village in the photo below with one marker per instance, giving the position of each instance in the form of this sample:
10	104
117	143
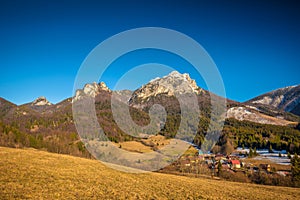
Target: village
237	163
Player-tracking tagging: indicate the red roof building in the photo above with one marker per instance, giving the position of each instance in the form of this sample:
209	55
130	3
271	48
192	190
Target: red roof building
235	164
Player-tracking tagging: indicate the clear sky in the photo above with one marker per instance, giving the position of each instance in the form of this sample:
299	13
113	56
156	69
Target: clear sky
255	44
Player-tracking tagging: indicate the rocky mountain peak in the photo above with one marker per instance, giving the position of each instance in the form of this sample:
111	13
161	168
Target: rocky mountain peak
91	89
41	101
170	85
103	86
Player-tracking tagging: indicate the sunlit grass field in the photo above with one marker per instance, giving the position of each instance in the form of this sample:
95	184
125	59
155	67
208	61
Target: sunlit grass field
33	174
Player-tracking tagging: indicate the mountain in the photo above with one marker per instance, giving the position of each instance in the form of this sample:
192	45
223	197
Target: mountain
242	119
40	124
286	99
164	89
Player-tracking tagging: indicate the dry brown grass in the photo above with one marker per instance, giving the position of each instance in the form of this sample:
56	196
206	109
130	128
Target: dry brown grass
278	167
277	121
157	140
135	146
145	145
33	174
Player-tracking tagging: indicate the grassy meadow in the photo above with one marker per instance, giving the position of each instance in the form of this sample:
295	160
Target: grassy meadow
34	174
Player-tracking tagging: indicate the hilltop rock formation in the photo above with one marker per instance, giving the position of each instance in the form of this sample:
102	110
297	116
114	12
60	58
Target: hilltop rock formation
170	85
41	101
91	90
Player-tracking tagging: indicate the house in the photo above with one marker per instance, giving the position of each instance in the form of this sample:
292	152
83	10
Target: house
209	163
283	173
235	164
266	167
192	159
220	157
201	158
225	166
185	163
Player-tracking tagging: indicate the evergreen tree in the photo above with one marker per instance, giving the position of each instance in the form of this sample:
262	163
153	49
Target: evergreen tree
295	162
250	153
270	149
298	126
219	168
255	153
227	148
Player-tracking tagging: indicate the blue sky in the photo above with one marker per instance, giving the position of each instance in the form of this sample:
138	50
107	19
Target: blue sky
255	44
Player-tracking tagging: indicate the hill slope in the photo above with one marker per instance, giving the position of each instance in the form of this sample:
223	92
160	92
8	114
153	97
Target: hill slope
33	174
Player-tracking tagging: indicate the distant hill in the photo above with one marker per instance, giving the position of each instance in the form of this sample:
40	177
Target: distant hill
5	107
32	174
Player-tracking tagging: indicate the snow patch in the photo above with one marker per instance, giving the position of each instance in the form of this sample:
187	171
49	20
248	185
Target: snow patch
239	113
242	113
266	100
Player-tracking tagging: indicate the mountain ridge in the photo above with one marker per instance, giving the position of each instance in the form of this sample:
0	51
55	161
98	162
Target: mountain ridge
175	83
286	99
275	99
